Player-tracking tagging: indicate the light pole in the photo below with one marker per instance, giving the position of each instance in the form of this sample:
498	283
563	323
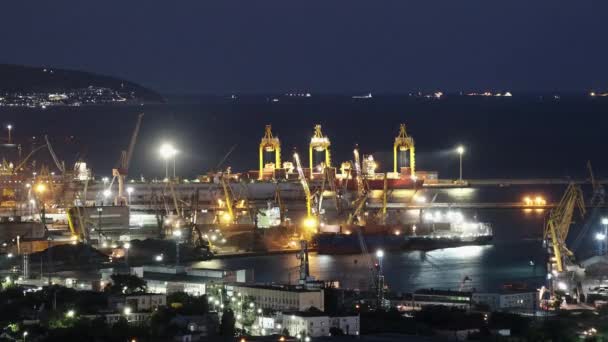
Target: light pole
177	234
126	247
601	237
10	137
40	190
167	151
460	150
380	280
106	194
129	192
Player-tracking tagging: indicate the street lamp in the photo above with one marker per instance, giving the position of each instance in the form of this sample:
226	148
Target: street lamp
126	247
167	151
24	335
460	150
10	137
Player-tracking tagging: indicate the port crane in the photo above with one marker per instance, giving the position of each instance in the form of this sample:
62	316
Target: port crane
310	221
228	216
269	143
404	143
598	199
121	172
319	143
362	192
559	222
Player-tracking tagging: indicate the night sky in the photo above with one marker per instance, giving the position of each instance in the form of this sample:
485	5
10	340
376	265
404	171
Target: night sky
319	46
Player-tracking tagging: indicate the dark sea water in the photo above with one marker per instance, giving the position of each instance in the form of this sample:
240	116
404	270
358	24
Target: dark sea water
526	136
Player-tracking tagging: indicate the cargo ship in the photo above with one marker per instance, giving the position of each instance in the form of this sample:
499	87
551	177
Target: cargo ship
421	236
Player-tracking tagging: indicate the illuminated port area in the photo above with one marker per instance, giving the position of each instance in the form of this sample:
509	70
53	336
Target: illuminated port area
303	172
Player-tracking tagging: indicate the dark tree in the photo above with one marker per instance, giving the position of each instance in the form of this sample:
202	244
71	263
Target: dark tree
126	284
227	324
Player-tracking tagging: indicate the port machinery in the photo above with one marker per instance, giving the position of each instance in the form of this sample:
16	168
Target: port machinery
319	143
271	144
403	144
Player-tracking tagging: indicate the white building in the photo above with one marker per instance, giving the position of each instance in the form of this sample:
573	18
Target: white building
319	324
171	279
138	302
510	300
281	297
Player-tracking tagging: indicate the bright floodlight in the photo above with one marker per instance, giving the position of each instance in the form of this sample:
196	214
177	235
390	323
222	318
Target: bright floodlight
167	151
70	313
9	127
127	245
127	311
379	253
130	190
460	149
605	220
159	258
600	236
562	286
107	193
177	233
40	188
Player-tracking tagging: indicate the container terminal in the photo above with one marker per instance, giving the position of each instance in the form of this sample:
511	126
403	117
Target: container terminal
349	207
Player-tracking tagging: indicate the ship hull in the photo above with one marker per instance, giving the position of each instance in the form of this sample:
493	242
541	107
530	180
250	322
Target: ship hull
350	244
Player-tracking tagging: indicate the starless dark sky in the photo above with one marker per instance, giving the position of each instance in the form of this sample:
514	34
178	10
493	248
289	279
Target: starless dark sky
322	46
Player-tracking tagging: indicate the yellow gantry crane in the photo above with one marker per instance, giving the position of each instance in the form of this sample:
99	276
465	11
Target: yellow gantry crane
319	143
403	143
559	222
269	143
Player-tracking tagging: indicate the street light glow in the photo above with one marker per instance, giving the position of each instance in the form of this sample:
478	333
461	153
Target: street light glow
130	190
600	236
40	188
605	221
177	233
380	253
107	193
460	149
167	151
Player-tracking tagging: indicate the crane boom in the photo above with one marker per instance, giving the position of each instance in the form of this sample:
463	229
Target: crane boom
228	199
59	165
134	136
304	183
559	222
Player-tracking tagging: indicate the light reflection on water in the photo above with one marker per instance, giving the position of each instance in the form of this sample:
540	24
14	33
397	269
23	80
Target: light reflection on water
489	267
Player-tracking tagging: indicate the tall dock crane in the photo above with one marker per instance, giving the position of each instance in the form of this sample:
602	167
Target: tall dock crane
125	160
319	143
404	143
559	222
310	222
269	143
362	192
